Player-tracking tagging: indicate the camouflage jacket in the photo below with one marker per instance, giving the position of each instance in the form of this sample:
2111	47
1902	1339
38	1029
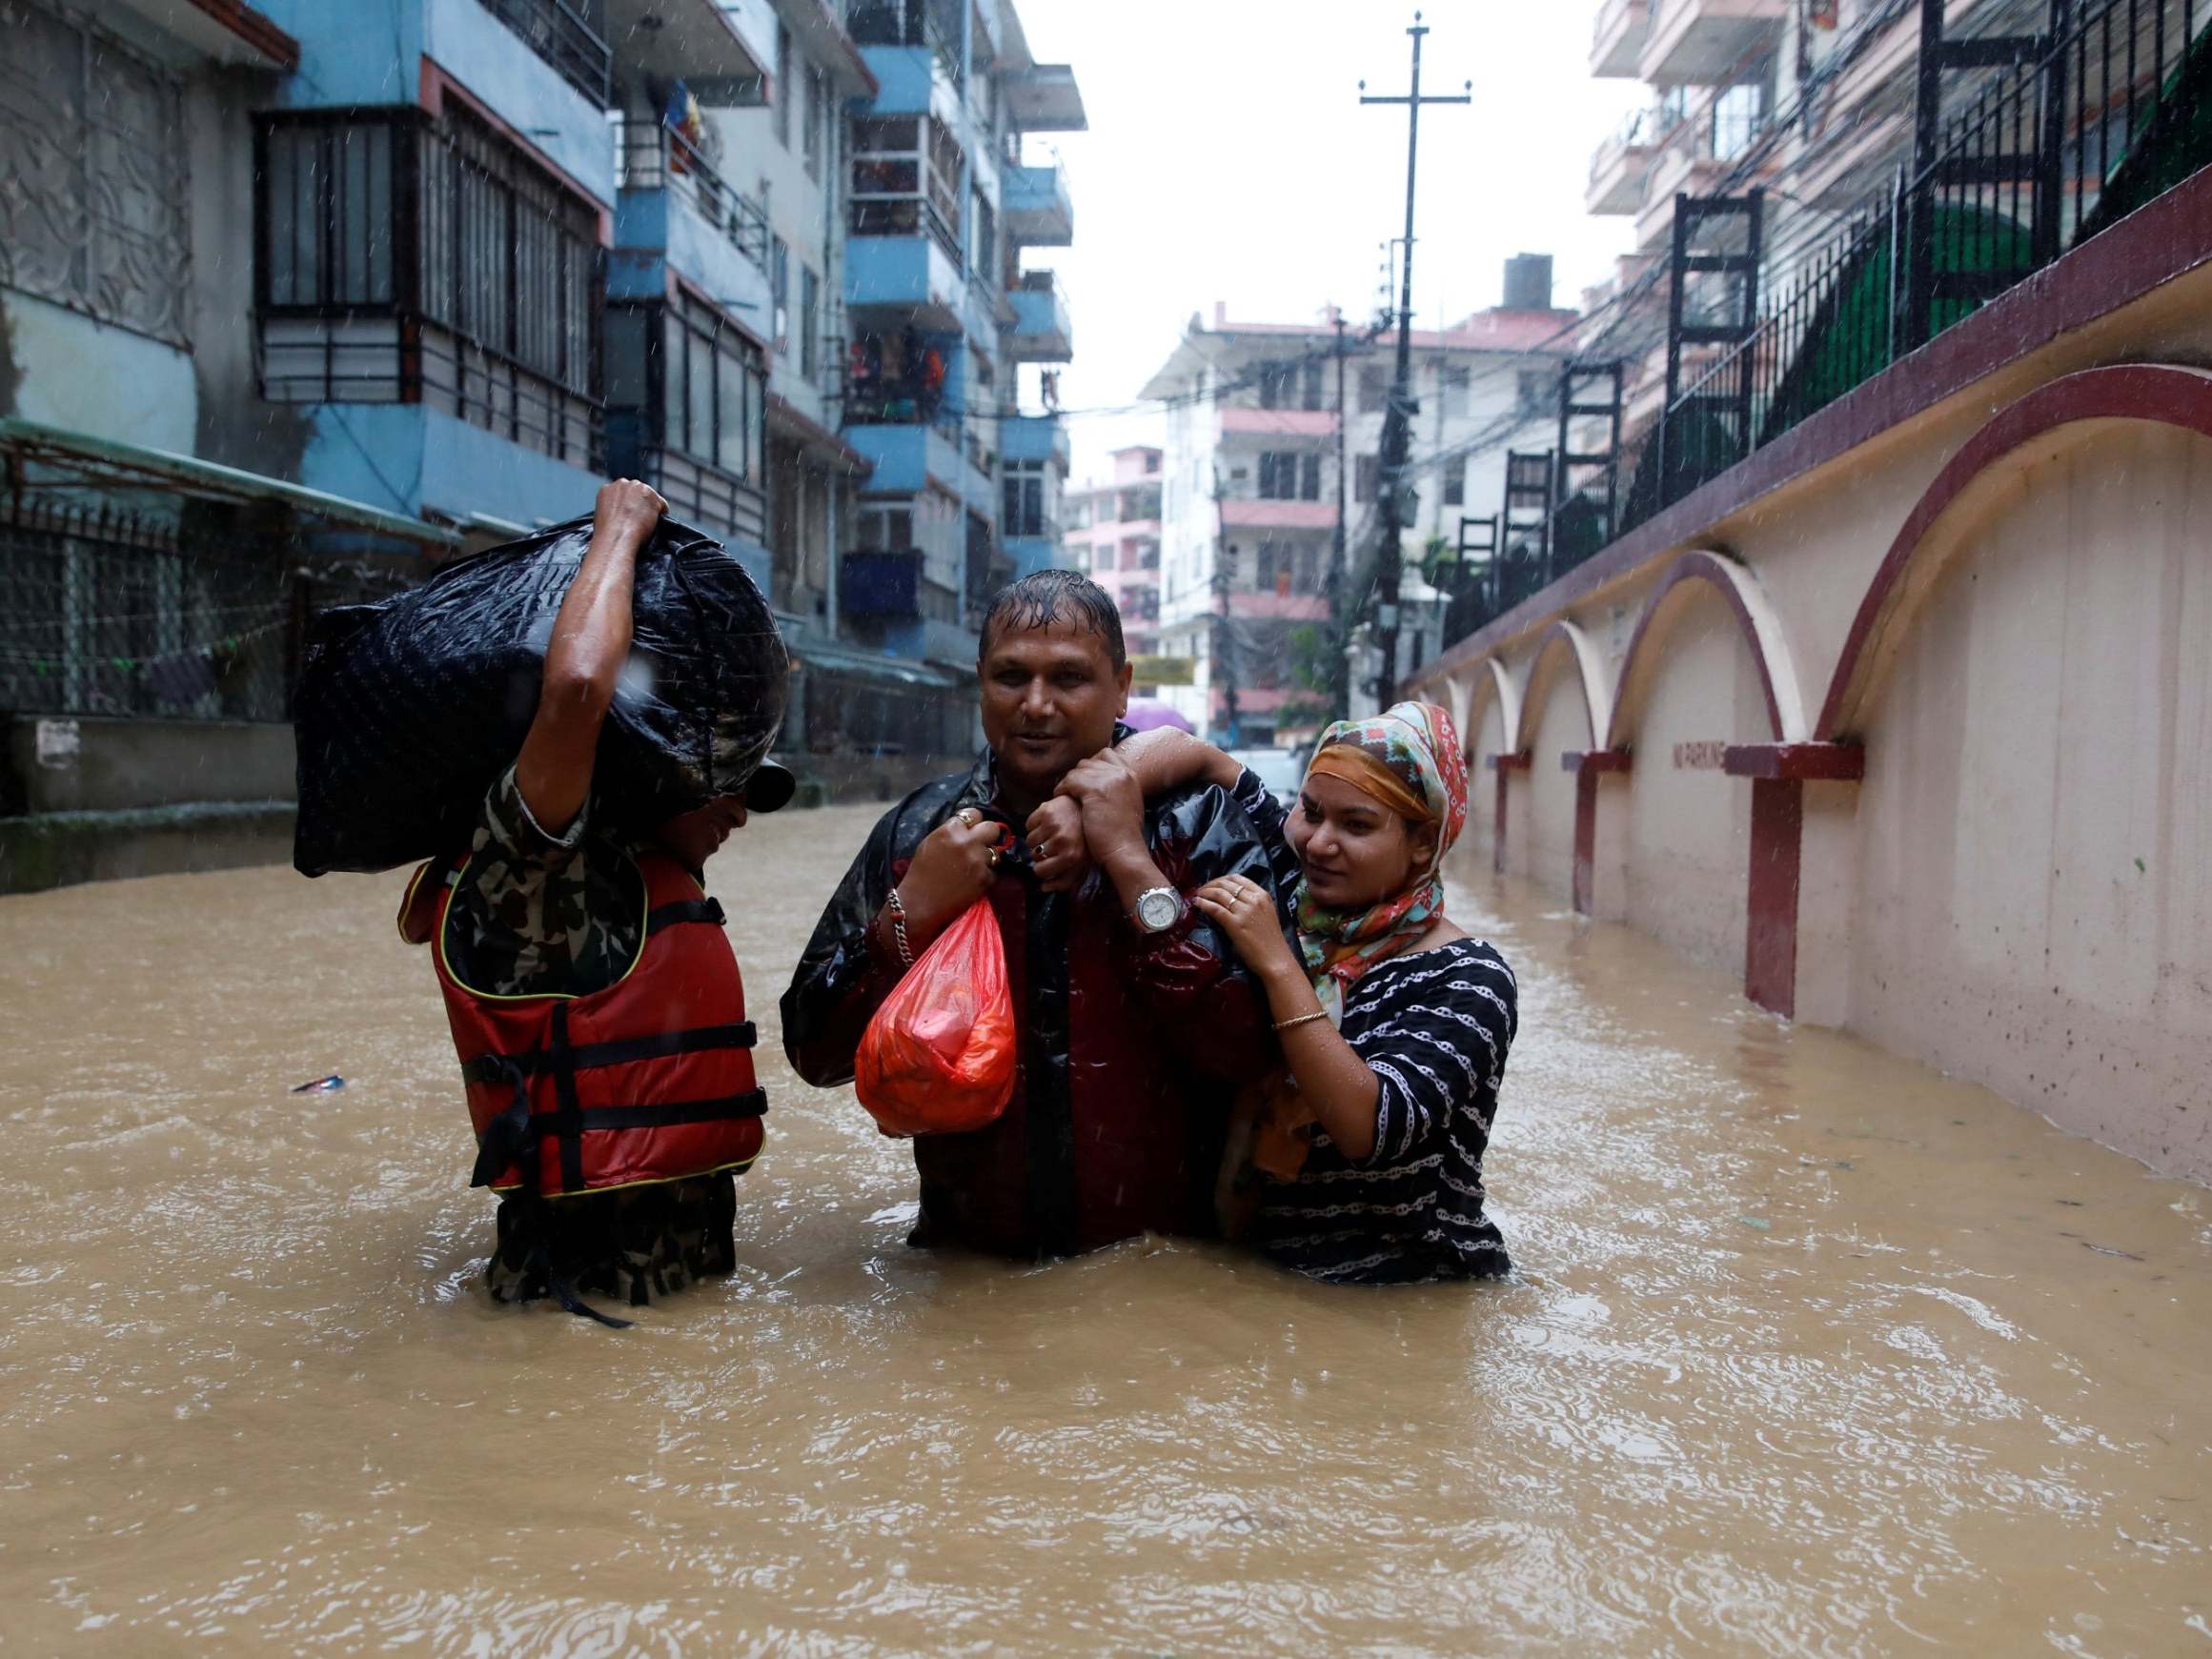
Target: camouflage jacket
537	913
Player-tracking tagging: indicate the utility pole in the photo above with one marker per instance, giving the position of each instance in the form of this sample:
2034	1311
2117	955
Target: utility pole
1397	421
1225	625
1340	624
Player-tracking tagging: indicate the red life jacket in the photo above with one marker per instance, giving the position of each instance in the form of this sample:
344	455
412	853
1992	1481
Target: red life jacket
649	1079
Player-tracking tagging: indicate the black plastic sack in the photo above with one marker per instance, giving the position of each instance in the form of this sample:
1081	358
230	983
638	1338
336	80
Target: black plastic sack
409	709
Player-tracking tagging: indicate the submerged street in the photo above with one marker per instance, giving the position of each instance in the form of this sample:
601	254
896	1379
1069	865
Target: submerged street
1808	1349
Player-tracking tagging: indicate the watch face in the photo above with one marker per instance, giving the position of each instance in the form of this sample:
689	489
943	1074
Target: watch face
1157	910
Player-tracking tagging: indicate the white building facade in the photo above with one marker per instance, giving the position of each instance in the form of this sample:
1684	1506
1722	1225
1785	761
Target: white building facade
1258	463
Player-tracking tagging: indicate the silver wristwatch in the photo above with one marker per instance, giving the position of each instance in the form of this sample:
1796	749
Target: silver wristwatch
1158	909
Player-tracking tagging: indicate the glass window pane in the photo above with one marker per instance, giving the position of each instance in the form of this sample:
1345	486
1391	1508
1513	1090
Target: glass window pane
699	398
731	445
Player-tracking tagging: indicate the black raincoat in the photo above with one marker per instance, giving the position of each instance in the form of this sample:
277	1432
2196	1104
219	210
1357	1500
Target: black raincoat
1130	1044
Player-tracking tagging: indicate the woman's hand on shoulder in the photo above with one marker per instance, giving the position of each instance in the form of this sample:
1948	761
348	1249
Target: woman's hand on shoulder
1245	911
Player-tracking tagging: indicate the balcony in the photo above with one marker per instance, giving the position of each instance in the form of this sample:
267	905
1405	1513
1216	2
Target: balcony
1041	332
720	52
1034	437
911	46
672	209
906	456
1238	420
1618	169
1701	43
912	276
1683	164
893	587
1249	513
569	34
1035	207
1623	25
1043	98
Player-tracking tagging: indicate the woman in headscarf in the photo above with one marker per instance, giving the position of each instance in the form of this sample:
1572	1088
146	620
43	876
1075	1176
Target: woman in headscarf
1394	1025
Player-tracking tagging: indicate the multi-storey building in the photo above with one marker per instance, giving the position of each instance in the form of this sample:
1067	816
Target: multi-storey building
1274	430
942	316
1811	106
788	151
1113	533
299	297
1867	686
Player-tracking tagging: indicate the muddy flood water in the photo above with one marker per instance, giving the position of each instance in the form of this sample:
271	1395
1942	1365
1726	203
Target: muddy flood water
1809	1351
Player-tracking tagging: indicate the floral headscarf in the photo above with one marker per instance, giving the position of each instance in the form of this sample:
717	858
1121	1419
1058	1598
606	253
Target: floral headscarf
1416	746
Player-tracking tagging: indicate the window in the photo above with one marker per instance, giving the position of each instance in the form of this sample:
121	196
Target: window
1153	462
1279	474
986	236
784	90
1536	389
1024	508
815	118
1312	400
809	324
1278	384
780	294
885	529
686	396
906	179
93	175
1739	116
1374	390
1310	477
1455	481
1366	471
495	317
712	396
1457	383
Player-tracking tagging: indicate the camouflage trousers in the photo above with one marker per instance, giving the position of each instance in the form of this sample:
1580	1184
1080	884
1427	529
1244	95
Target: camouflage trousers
630	1246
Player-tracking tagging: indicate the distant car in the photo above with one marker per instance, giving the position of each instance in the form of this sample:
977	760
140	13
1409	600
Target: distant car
1281	770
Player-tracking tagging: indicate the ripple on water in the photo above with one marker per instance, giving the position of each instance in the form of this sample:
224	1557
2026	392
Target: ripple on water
258	1399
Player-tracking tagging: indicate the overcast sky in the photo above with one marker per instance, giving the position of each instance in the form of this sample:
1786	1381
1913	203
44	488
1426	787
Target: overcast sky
1228	159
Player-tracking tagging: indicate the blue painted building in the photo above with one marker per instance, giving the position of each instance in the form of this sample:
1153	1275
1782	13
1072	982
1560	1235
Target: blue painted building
943	200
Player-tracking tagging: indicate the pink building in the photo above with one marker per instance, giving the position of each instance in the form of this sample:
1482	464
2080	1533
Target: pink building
1112	532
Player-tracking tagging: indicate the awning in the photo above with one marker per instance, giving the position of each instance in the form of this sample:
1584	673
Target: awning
873	665
227	31
51	457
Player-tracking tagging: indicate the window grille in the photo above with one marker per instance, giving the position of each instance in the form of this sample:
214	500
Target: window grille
93	187
109	613
687	397
400	261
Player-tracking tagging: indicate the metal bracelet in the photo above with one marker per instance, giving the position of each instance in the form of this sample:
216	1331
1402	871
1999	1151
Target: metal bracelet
898	908
1300	1019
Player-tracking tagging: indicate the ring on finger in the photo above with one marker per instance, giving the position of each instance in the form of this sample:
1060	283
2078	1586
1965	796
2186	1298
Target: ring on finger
991	854
968	816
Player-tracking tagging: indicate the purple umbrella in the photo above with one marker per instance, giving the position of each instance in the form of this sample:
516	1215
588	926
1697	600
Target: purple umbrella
1149	714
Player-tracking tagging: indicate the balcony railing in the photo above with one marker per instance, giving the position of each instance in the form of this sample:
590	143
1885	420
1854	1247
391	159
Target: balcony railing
2043	154
569	34
651	156
929	23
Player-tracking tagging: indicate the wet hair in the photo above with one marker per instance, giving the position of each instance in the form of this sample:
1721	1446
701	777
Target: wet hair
1047	597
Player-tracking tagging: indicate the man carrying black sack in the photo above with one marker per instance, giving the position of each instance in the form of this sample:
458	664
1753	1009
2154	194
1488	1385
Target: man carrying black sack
596	1004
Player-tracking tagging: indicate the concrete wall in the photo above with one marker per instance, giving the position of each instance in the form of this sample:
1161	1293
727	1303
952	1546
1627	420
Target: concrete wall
1949	638
2034	886
70	371
91	799
96	764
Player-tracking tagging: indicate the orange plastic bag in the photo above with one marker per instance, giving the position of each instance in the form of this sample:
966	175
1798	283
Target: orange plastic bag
939	1056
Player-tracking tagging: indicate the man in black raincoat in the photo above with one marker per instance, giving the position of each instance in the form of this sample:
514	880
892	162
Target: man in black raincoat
1133	1021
